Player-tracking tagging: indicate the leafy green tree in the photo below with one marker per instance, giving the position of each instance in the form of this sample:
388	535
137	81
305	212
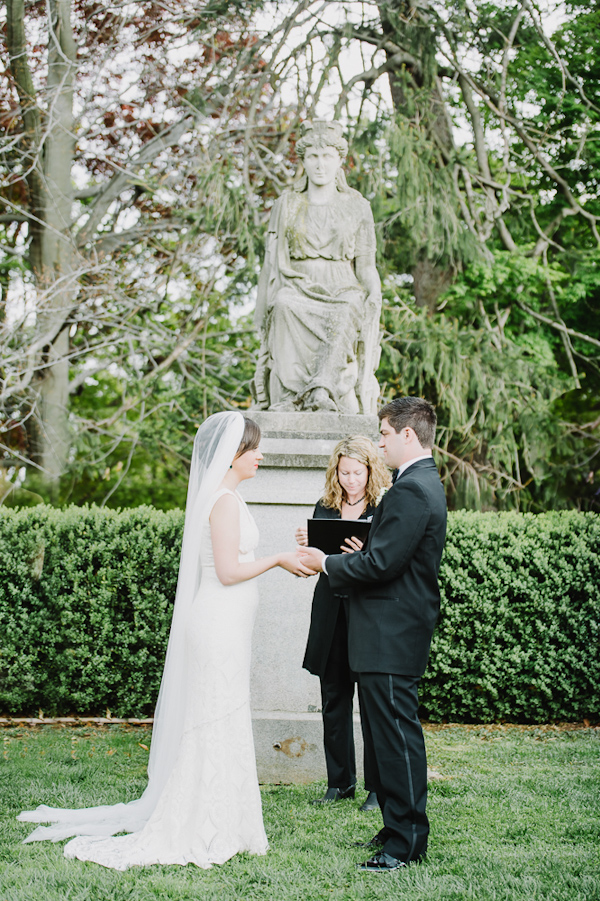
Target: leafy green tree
120	246
499	234
473	132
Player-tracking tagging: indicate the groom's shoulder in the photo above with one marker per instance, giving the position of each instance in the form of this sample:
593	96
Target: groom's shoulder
420	479
417	472
423	479
421	470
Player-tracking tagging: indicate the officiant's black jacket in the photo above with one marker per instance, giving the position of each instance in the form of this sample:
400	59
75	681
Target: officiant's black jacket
393	582
325	607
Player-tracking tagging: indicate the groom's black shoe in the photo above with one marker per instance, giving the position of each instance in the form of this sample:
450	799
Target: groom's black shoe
335	794
381	863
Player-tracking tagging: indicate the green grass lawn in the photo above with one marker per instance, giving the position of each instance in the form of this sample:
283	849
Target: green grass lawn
515	814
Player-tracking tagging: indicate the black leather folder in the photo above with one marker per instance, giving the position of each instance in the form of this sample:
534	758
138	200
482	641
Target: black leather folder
330	534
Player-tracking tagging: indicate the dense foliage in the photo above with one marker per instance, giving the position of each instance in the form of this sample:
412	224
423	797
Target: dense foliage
86	595
86	605
519	630
123	248
142	148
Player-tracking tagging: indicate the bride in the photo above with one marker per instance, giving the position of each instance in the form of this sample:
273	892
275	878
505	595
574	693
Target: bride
202	804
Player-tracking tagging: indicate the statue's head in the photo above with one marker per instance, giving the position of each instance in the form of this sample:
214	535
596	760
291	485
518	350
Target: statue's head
322	133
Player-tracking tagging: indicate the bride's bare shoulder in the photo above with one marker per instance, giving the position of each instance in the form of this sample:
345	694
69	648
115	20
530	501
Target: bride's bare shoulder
226	504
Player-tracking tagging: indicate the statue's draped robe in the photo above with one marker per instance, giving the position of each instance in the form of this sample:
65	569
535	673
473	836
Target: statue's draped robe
311	300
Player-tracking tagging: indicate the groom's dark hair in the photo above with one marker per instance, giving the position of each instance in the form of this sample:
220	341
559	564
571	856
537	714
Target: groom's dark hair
414	413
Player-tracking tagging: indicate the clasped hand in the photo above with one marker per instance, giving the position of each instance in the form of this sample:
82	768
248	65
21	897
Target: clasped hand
294	565
312	557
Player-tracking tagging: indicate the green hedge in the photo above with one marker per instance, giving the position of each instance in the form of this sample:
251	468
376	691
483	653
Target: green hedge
86	595
518	635
85	607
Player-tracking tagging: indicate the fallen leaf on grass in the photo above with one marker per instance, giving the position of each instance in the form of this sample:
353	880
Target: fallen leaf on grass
434	774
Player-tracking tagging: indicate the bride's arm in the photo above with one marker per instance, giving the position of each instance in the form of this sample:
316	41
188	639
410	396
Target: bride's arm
225	535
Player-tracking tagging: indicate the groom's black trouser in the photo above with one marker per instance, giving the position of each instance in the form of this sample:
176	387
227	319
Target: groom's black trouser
391	727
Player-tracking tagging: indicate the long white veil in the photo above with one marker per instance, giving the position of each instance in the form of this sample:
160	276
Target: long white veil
215	446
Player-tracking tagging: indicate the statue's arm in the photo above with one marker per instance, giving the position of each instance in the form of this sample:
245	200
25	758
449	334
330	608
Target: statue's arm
364	260
269	268
262	291
366	273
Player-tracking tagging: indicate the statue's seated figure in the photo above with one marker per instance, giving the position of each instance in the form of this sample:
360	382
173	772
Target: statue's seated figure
319	294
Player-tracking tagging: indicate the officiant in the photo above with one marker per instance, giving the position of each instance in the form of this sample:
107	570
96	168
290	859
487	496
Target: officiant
355	481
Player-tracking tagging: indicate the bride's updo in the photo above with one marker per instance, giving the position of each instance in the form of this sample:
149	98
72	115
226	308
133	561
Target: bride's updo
250	438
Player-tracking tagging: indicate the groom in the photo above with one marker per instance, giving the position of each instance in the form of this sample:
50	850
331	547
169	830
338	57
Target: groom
394	604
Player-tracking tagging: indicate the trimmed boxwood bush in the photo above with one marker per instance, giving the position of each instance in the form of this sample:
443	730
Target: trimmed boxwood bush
518	635
86	598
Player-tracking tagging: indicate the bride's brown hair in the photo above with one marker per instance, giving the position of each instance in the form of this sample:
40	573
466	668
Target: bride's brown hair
250	438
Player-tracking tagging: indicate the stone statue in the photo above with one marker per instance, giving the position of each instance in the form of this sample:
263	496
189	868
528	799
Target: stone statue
319	293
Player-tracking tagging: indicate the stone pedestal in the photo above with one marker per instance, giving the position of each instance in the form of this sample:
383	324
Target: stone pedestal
286	700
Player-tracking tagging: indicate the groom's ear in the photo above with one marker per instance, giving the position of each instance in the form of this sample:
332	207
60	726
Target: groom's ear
412	436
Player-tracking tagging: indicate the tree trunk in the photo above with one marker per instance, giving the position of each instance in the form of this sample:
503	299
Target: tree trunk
430	280
417	96
49	150
57	276
19	66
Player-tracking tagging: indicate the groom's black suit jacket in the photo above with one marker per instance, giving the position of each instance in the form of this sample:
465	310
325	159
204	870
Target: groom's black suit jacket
393	581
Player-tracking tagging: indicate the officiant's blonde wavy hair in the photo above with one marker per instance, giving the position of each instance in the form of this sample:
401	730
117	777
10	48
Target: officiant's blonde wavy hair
362	449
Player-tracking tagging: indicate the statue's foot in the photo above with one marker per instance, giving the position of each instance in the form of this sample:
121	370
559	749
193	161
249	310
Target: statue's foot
321	400
283	407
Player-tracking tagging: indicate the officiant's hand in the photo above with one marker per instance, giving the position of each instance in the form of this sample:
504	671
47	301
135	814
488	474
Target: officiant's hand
311	557
352	545
302	536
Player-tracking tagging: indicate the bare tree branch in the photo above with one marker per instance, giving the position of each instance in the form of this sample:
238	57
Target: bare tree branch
559	326
168	138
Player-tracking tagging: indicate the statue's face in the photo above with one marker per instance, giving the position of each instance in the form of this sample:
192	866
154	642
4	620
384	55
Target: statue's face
321	164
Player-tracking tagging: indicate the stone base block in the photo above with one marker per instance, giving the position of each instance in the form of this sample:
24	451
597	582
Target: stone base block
307	439
289	747
289	482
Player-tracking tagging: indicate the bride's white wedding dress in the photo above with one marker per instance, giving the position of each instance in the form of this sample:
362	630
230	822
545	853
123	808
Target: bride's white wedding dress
210	807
